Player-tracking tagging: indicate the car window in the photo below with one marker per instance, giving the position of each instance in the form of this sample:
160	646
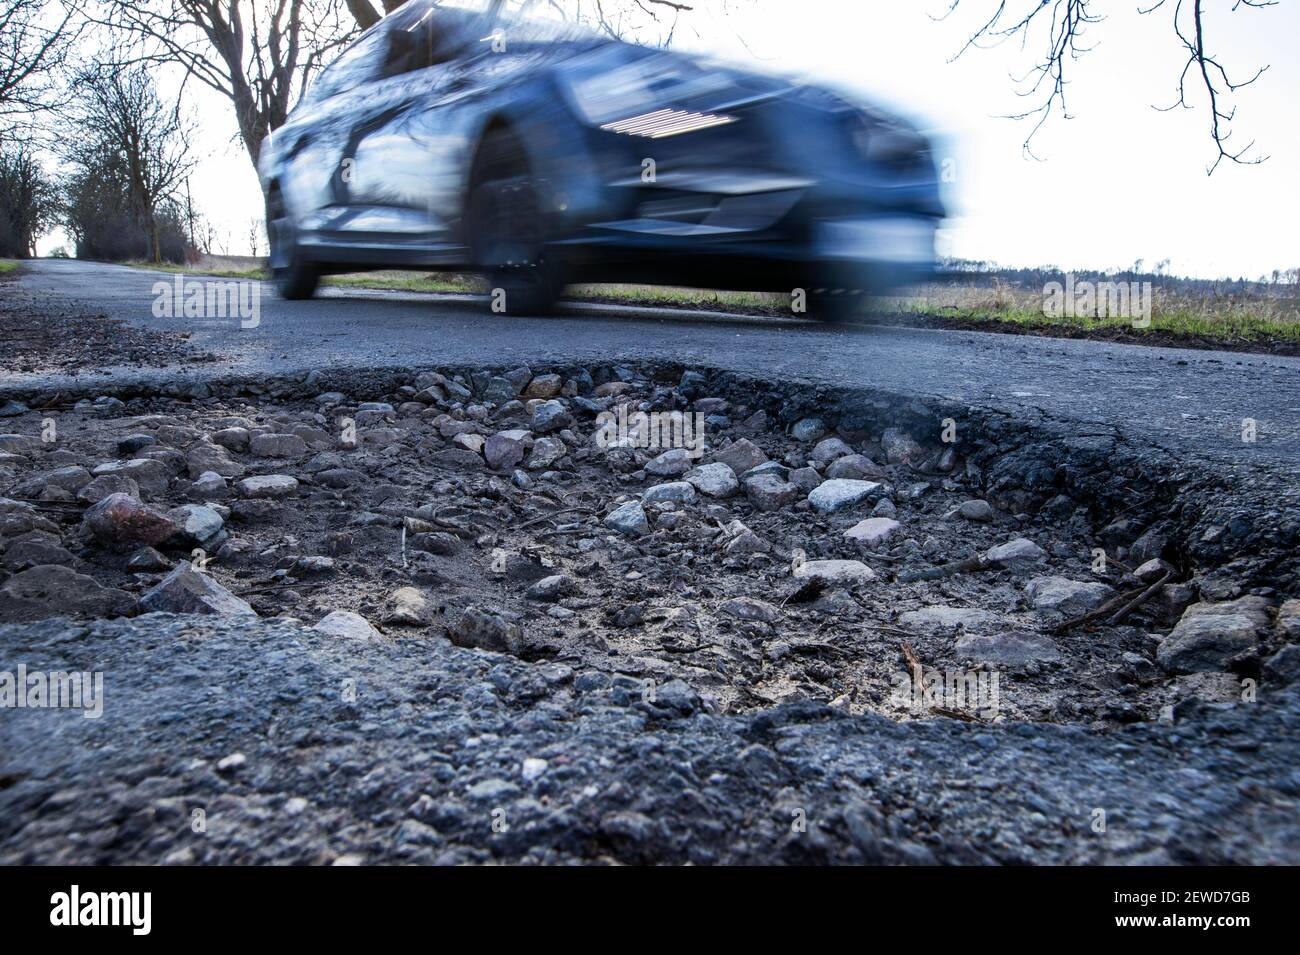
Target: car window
429	36
360	62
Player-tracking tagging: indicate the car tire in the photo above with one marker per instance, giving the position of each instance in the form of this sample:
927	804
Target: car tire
835	306
294	277
507	230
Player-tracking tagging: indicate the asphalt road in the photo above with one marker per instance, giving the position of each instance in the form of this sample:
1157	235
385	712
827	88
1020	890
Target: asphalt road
1189	401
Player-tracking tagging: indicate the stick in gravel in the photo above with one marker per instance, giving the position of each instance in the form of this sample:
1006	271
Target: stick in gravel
964	566
1139	600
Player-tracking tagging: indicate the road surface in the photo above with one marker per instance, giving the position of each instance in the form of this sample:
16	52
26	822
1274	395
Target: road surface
1189	401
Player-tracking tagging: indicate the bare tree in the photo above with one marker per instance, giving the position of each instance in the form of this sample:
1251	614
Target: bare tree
259	54
28	203
119	118
34	43
1059	27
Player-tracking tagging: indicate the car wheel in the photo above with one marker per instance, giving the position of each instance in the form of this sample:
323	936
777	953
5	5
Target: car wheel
839	306
294	277
508	231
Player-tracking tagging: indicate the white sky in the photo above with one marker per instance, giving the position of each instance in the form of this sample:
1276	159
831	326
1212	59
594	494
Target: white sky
1120	181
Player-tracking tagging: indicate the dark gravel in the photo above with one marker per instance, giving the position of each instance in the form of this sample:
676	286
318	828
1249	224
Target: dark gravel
431	753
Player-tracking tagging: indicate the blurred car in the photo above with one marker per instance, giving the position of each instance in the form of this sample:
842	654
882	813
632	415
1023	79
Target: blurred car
461	136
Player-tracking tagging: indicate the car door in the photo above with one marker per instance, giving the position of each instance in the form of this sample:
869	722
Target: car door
313	141
398	148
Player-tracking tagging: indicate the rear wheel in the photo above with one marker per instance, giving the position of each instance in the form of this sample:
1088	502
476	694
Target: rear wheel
508	228
294	276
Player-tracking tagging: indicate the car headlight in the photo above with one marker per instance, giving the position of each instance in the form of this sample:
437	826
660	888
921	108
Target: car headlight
636	97
883	141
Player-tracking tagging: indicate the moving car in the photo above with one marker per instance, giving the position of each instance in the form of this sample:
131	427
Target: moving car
462	136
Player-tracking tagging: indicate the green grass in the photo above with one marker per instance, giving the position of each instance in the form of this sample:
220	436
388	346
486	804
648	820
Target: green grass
1227	322
255	273
1249	318
8	265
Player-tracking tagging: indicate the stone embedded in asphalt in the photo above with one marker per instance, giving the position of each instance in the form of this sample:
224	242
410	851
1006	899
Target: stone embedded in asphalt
209	485
196	523
346	625
70	479
151	476
900	447
1020	550
767	491
680	492
750	608
186	590
1012	648
1288	619
314	565
121	519
714	480
1283	667
486	630
941	617
741	455
546	452
808	429
106	484
856	467
505	449
277	446
628	519
829	449
550	589
19	443
544	386
408	607
873	531
745	541
146	560
975	510
671	463
1070	597
806	479
1152	570
23	554
842	572
12	409
211	457
1210	635
551	416
233	438
268	485
53	590
838	493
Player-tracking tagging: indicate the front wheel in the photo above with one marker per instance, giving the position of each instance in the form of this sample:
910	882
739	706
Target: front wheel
508	230
294	276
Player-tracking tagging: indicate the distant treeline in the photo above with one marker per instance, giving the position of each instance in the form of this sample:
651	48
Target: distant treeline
987	274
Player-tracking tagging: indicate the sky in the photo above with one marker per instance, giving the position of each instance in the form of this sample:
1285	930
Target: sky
1117	182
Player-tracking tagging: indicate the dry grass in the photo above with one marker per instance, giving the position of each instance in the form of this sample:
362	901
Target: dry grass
1248	316
1251	317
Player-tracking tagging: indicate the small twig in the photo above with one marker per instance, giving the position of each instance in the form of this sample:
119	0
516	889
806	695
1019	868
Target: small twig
1140	599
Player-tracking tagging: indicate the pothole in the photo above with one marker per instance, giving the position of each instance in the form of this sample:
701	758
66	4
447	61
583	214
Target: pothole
913	559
